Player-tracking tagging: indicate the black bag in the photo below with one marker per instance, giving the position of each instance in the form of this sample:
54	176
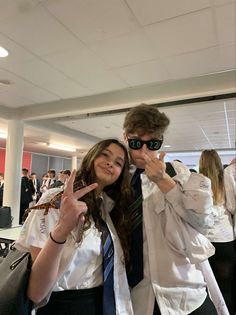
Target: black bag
5	217
14	273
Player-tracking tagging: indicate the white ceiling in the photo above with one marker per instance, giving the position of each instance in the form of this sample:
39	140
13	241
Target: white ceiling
72	60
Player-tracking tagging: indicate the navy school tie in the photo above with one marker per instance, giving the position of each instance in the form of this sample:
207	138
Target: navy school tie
135	266
108	271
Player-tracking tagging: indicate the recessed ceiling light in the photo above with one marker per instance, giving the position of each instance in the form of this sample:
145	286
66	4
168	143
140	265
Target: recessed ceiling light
61	147
167	146
3	52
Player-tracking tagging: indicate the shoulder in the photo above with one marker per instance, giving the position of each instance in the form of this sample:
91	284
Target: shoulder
180	168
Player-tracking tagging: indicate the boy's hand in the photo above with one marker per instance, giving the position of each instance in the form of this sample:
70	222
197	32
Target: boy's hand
155	167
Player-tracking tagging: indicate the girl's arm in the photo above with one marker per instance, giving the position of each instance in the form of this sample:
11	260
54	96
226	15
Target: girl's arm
46	261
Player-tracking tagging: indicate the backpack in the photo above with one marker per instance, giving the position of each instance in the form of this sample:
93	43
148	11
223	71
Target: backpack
170	169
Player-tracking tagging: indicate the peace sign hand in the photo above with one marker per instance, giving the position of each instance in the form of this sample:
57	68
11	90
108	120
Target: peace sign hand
72	209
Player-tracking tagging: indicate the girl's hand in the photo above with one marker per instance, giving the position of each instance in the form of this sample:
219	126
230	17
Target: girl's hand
72	208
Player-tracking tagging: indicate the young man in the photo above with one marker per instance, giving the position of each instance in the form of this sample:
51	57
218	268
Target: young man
26	193
166	247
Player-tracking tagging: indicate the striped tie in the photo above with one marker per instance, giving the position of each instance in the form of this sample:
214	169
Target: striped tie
135	266
108	271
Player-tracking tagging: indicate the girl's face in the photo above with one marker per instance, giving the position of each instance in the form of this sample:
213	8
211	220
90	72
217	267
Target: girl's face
109	165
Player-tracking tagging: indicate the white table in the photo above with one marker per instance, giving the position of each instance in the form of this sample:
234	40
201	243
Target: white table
10	234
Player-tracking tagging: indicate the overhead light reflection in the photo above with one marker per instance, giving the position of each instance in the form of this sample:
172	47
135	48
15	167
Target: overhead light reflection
61	147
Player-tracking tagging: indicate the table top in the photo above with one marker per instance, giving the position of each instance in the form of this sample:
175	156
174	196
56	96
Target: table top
10	234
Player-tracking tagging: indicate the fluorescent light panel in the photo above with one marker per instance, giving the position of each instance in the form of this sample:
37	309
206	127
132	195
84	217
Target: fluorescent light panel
61	147
3	135
3	52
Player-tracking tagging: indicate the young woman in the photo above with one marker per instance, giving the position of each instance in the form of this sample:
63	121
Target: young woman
78	253
222	234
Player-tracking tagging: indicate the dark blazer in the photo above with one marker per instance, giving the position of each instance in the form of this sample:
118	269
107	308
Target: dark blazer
37	191
1	193
26	190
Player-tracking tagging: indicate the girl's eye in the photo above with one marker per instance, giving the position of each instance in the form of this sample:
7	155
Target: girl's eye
104	153
119	164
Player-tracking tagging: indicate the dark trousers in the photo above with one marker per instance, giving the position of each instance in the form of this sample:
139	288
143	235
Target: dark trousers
223	265
207	308
74	302
23	207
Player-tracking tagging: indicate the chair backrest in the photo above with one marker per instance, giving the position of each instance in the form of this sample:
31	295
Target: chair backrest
5	217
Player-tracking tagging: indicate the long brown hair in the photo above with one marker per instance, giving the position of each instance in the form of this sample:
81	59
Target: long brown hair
119	192
211	166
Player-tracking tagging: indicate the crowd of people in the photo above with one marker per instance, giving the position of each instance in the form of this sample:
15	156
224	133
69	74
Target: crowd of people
32	188
127	233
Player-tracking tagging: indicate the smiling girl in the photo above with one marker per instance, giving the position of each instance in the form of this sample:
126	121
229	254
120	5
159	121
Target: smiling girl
78	253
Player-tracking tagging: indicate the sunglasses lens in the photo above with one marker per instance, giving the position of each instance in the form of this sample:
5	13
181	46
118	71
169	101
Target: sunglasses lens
154	145
135	144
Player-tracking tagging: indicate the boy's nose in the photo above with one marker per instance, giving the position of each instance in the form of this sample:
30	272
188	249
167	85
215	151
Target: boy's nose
144	148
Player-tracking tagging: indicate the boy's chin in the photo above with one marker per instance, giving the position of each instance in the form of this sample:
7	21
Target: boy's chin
139	163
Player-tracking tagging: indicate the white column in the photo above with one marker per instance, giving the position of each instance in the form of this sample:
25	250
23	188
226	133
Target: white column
13	166
74	163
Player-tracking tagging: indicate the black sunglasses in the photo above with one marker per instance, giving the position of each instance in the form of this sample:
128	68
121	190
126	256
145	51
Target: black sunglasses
153	144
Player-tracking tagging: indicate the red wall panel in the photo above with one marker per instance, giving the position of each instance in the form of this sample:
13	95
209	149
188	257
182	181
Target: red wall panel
26	161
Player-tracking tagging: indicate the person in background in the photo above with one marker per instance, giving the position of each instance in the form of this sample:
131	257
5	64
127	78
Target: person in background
43	186
26	193
36	186
67	174
62	179
51	177
168	216
1	188
78	252
222	235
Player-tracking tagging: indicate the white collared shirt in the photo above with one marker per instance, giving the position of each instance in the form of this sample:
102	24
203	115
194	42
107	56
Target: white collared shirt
81	264
172	247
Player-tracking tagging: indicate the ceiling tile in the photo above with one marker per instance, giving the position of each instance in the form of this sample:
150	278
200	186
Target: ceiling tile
227	56
38	32
125	50
194	64
93	20
38	72
226	23
152	11
67	89
143	73
16	52
194	31
222	2
11	10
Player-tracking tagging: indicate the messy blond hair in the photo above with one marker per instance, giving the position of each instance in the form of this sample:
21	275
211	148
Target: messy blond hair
145	119
211	166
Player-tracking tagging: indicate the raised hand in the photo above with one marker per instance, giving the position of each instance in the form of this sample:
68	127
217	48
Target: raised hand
72	209
155	167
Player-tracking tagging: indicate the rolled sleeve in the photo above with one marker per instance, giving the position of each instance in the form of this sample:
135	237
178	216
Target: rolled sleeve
192	200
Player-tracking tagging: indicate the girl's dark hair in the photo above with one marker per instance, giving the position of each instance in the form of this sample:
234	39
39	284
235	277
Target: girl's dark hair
119	192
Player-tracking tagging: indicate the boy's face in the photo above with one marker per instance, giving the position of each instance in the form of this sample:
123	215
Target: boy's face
137	155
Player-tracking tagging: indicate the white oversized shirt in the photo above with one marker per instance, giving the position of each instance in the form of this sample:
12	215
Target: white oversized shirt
230	191
172	247
81	264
